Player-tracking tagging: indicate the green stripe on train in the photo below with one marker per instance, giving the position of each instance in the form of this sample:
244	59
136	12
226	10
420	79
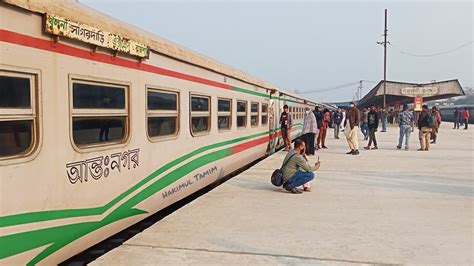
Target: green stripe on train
60	236
24	218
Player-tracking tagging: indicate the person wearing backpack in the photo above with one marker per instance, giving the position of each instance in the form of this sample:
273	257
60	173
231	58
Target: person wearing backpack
296	170
424	128
372	125
337	118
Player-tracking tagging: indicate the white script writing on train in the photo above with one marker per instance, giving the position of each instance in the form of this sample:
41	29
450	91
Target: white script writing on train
102	166
196	178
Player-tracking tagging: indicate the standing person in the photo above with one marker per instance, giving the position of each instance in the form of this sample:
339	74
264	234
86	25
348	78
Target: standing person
466	116
384	120
424	129
406	122
285	124
456	118
343	122
297	171
352	126
435	129
372	124
363	122
310	128
337	122
323	129
319	121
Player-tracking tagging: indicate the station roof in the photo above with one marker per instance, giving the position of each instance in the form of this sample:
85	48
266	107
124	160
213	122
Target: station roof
404	92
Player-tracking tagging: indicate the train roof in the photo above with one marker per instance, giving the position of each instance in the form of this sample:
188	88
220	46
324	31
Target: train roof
78	12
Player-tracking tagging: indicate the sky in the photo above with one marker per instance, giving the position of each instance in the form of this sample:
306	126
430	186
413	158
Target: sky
304	46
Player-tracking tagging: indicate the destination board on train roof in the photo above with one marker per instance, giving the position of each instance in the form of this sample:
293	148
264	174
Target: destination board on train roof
64	27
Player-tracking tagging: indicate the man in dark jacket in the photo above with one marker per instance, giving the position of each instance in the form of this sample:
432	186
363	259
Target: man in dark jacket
424	129
372	125
353	118
337	118
285	124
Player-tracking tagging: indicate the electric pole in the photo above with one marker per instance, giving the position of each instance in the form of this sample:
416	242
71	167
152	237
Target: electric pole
385	63
360	90
384	43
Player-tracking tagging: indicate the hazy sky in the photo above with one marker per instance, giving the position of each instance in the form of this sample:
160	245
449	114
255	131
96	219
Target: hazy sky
313	45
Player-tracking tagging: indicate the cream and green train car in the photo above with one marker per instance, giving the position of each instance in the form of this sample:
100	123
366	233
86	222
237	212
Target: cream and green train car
102	125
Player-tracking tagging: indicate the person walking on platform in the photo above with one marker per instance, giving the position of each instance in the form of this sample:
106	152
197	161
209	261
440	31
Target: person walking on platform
406	123
352	128
466	116
372	125
337	118
424	129
296	170
323	129
285	125
319	120
457	118
310	128
343	122
363	123
435	129
384	120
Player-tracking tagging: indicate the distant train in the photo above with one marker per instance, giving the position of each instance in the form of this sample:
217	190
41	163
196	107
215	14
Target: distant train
102	125
447	112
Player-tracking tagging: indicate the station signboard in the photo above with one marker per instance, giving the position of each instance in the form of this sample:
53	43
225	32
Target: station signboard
64	27
423	91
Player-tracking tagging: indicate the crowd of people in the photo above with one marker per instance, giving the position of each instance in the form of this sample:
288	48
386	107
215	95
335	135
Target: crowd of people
297	171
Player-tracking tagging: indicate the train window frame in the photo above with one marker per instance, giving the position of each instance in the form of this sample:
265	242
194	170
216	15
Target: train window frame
200	114
163	113
99	112
224	113
242	114
31	113
263	114
255	114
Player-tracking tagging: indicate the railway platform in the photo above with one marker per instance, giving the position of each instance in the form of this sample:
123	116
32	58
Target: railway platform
384	206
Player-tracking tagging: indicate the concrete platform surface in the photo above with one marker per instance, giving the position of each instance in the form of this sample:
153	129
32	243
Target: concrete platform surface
385	206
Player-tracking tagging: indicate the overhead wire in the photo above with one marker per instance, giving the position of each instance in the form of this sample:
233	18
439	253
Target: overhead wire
435	54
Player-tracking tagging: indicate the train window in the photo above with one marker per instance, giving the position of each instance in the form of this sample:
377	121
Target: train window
254	114
18	117
241	113
162	113
224	113
200	114
99	113
264	114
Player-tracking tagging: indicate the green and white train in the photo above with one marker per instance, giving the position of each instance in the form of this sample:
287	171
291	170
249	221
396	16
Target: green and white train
102	125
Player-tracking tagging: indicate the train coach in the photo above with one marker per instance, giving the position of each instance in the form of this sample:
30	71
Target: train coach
102	125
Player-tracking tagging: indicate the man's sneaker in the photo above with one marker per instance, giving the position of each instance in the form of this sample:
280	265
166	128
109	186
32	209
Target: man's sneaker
356	152
399	147
296	191
367	148
375	148
324	147
350	152
406	148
